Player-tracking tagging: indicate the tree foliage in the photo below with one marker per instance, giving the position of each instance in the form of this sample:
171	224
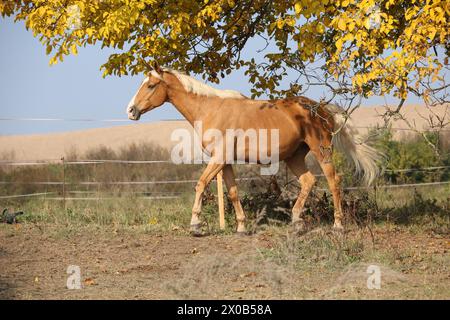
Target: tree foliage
355	48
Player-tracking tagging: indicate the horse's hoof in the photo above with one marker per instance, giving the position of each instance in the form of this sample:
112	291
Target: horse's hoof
196	234
299	227
338	228
242	233
196	230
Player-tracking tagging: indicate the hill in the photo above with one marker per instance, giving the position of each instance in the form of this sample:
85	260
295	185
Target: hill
56	145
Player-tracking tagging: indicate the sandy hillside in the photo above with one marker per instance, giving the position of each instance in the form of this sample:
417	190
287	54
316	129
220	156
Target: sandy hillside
56	145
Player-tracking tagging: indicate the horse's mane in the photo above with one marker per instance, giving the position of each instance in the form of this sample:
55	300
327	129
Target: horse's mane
197	87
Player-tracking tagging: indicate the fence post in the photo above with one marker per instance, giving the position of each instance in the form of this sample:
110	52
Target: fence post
64	182
286	174
220	201
375	190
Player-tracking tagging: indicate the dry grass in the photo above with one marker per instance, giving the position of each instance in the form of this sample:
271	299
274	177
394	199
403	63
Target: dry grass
403	231
147	248
321	264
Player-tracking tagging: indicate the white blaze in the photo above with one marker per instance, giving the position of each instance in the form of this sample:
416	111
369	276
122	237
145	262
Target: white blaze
133	100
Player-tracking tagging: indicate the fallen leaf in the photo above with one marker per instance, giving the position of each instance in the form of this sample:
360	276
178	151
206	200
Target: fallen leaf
89	282
239	290
36	279
247	275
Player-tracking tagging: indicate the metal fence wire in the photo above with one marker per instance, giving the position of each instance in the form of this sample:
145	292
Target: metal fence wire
63	184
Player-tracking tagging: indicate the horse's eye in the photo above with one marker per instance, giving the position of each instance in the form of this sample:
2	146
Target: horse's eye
151	86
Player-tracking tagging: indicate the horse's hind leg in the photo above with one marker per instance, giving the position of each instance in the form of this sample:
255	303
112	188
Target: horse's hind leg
307	180
333	181
230	182
334	184
208	174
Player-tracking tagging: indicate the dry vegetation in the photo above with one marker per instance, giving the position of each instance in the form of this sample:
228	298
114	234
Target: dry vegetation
131	247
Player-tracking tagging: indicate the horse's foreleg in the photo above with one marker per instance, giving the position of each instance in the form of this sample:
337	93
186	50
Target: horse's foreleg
307	181
210	172
230	182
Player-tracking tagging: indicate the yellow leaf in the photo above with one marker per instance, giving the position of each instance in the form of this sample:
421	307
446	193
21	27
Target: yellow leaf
320	28
351	26
290	22
342	25
53	60
73	49
298	8
339	44
349	37
432	33
280	24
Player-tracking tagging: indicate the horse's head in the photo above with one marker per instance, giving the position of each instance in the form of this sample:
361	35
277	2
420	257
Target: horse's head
151	94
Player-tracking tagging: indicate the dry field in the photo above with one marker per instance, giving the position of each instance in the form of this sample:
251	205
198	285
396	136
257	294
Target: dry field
127	265
135	249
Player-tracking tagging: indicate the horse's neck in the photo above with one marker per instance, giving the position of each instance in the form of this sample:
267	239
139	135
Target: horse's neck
193	107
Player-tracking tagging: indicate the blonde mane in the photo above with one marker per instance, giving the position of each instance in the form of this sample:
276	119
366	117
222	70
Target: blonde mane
197	87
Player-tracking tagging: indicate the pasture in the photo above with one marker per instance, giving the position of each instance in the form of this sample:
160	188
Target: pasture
130	245
352	202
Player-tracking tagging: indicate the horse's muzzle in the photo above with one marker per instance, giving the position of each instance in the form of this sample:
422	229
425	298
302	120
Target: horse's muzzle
133	113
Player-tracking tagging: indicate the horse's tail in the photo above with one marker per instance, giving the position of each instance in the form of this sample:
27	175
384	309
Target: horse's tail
347	140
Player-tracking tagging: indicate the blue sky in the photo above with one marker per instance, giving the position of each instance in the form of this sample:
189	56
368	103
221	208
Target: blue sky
30	88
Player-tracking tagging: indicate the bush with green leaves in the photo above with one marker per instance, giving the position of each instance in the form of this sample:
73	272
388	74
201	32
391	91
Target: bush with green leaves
412	152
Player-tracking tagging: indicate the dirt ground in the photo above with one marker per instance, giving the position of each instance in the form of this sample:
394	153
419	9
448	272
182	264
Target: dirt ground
126	265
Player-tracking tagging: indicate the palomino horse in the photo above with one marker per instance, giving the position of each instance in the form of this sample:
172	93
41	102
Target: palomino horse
304	126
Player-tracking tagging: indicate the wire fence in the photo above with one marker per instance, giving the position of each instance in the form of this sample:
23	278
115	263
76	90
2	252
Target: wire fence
391	186
113	183
81	162
60	190
150	195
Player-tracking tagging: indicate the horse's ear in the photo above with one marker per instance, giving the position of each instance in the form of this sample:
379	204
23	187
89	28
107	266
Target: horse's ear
157	68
